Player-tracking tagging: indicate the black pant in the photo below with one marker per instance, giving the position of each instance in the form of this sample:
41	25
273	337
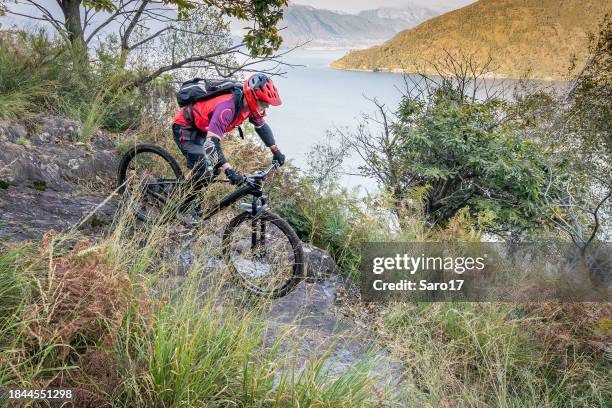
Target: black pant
191	144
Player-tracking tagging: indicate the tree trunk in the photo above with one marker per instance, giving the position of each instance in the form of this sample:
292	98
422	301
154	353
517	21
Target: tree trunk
74	28
399	207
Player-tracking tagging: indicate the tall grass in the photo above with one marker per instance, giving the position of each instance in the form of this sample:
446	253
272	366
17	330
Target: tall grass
14	295
333	219
38	76
150	336
205	347
28	82
490	354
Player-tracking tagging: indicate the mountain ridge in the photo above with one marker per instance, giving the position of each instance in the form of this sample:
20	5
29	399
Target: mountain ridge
526	38
330	28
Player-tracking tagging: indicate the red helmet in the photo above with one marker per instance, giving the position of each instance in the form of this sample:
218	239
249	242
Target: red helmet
259	86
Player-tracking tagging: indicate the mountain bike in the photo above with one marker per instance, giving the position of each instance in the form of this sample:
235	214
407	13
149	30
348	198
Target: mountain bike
260	248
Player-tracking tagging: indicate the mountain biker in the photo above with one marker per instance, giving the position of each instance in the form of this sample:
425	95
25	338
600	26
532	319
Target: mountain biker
215	117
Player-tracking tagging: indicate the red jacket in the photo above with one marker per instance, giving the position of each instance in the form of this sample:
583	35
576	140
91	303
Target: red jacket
216	115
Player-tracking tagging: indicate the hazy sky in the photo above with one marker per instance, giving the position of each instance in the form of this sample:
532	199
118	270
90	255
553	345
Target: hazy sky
351	6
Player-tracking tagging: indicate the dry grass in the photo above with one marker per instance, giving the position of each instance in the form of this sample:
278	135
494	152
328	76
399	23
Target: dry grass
80	299
190	338
494	354
574	327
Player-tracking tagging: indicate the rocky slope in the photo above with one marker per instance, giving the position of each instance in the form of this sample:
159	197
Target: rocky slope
537	38
50	181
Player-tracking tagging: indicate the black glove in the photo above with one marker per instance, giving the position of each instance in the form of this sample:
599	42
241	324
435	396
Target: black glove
279	157
234	177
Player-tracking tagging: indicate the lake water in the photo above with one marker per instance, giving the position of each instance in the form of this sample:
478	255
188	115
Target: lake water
317	99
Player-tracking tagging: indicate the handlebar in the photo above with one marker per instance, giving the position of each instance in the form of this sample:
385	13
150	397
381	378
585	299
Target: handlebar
258	175
262	174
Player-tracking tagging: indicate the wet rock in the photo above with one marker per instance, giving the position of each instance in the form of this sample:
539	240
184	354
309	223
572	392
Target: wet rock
317	330
42	169
319	264
27	213
309	305
11	132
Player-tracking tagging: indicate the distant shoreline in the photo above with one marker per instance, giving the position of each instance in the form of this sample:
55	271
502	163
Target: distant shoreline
324	47
487	76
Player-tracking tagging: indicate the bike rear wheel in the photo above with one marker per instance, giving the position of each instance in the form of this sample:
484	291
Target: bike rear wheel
147	176
264	253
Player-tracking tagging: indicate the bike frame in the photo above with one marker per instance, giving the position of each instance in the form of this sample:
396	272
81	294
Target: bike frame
253	186
255	213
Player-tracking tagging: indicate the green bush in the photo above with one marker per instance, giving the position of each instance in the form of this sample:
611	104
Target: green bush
38	76
473	155
333	219
29	82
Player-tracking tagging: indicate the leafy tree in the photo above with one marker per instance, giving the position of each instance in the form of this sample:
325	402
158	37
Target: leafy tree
82	21
468	159
576	129
461	147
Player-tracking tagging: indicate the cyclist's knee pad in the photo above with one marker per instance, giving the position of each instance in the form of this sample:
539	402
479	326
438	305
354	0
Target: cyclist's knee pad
213	151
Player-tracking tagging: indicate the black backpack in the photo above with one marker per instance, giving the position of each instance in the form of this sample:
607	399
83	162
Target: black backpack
198	89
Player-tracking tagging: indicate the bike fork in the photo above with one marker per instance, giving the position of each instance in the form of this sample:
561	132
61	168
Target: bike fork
262	233
258	245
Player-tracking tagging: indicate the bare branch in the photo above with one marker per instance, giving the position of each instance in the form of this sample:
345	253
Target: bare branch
47	16
45	12
120	11
182	63
149	38
134	20
596	218
27	16
86	18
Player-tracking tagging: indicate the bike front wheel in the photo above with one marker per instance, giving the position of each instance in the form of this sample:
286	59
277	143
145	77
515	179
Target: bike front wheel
264	253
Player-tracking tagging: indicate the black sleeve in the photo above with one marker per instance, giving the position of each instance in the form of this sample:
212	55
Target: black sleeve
265	134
